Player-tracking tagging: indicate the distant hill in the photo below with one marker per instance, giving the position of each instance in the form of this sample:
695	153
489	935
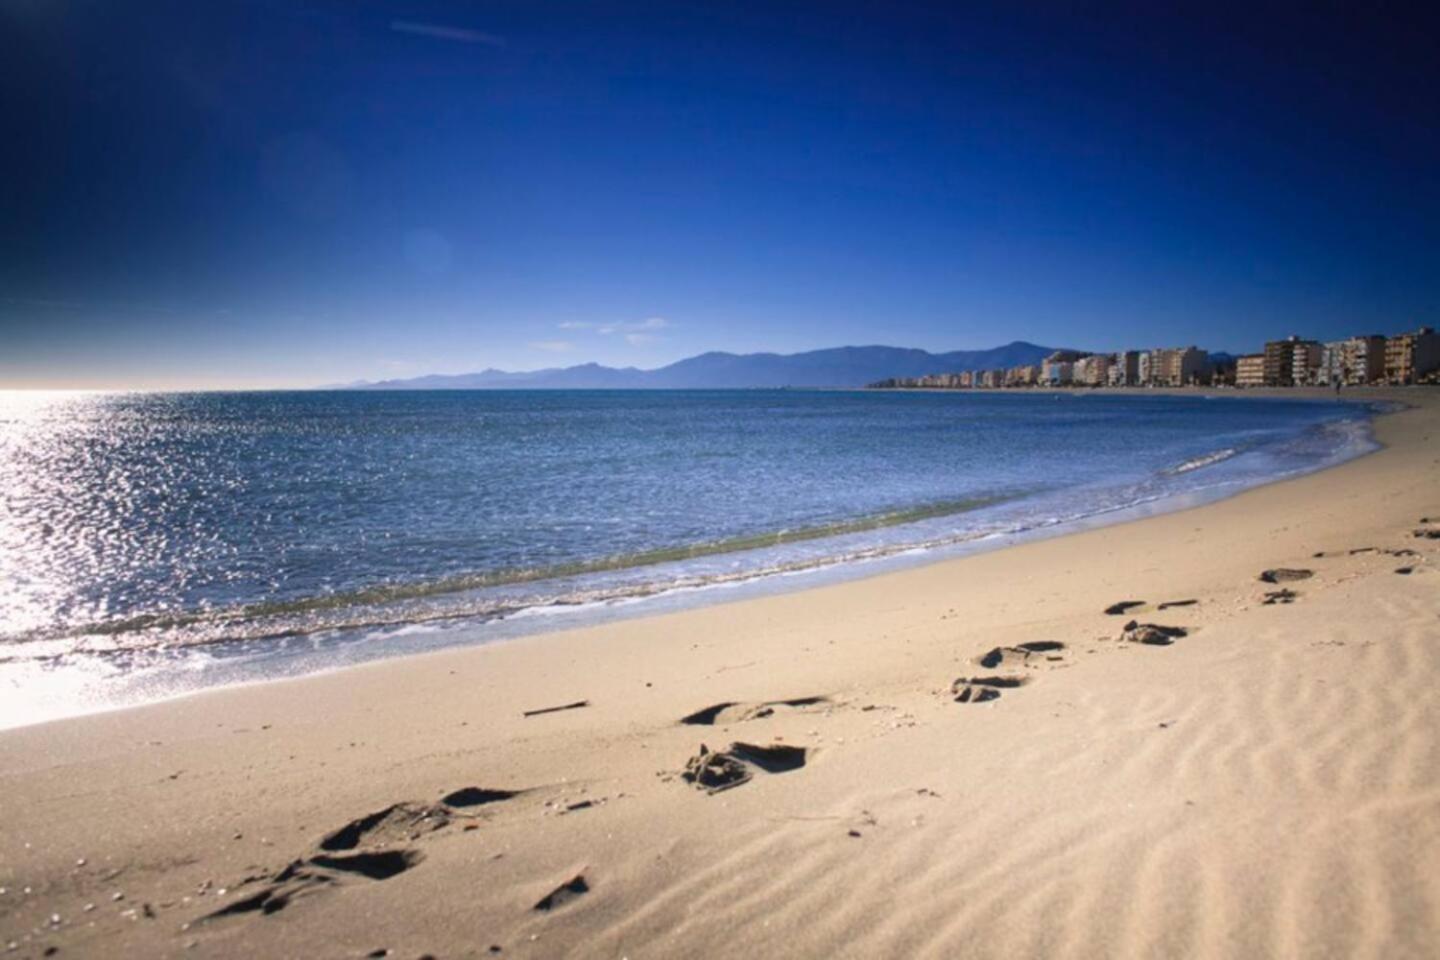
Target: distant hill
836	367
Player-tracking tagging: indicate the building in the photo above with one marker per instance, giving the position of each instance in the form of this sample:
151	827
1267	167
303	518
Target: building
1250	370
1177	366
1091	371
1365	359
1304	362
1115	375
1411	356
1332	363
1280	362
1144	363
1354	361
1126	369
1058	369
1057	373
1024	376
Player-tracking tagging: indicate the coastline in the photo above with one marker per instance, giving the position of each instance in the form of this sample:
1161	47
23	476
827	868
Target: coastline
103	666
1125	800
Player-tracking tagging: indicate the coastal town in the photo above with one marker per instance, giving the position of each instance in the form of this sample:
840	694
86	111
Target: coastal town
1399	360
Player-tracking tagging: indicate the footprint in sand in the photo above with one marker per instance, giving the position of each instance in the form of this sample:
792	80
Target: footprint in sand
341	852
1283	595
714	771
984	689
302	877
570	890
732	711
1124	606
1286	575
1021	655
1152	634
398	822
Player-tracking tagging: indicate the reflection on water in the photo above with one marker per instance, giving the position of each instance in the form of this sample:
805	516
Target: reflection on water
137	527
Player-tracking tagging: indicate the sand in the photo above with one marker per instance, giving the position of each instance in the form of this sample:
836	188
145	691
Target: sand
1267	784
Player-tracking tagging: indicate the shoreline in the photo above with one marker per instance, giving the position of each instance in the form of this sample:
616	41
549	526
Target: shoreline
1124	800
234	661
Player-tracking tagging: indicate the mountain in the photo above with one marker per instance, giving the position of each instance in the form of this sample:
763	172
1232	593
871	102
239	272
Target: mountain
836	367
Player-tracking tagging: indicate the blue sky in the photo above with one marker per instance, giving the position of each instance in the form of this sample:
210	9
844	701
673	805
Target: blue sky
271	194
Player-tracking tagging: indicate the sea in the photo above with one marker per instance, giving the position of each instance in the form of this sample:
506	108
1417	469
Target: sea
155	545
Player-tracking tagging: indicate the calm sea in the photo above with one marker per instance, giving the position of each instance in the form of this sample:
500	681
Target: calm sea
153	544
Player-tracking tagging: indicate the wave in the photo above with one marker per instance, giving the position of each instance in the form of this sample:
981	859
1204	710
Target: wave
1219	456
487	596
395	604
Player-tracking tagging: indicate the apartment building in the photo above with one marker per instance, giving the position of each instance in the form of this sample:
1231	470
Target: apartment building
1411	356
1127	363
1280	362
1305	362
1250	370
1355	360
1092	370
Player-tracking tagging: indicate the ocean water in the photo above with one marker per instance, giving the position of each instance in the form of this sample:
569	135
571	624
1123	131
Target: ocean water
154	544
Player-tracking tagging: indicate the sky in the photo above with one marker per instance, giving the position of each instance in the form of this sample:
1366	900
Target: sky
270	194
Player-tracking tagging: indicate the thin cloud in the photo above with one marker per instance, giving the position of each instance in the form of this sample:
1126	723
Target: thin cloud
440	31
552	346
636	339
635	331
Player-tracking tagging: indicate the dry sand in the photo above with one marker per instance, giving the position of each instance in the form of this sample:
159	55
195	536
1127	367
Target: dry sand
1268	785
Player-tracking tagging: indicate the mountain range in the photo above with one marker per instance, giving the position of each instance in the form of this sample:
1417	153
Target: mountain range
835	367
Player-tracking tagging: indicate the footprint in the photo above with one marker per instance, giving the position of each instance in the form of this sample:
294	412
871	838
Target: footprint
1176	603
571	889
1116	609
776	758
716	771
1406	571
1430	533
476	796
302	877
400	821
1284	595
1020	654
732	711
1152	634
340	855
982	689
376	865
1286	575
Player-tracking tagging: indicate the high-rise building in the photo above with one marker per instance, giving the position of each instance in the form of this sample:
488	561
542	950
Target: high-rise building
1128	363
1412	355
1250	370
1058	369
1280	362
1365	359
1332	368
1304	362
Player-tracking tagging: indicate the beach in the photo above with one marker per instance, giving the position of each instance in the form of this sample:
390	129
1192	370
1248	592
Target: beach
1266	784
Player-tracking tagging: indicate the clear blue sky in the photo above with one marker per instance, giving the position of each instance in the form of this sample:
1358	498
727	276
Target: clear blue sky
288	193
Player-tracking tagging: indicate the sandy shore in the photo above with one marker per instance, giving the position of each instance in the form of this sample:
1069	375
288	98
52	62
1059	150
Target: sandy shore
1266	785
